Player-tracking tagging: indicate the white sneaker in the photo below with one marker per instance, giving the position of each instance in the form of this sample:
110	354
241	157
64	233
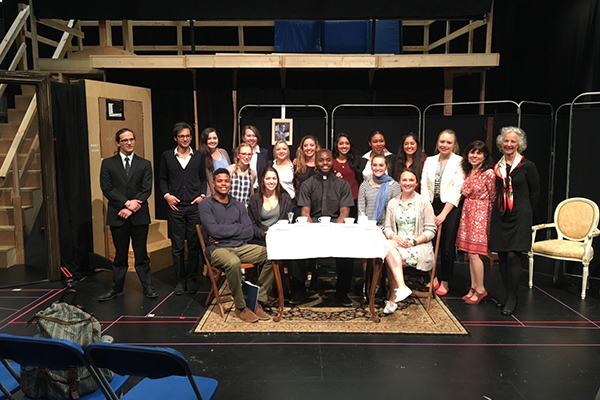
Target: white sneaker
402	294
390	307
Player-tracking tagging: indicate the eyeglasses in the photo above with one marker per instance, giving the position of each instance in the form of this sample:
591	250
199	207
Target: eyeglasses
127	140
183	136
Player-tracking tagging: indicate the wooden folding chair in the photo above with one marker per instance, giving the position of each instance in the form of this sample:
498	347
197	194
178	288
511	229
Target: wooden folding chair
215	275
431	292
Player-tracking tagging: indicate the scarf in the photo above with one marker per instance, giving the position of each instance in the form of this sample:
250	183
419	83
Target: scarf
506	199
381	195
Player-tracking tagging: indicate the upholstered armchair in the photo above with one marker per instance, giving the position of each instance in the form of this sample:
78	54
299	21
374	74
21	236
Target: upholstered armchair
575	222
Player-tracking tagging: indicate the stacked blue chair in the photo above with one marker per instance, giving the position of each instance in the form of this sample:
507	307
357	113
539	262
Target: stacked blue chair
9	379
167	374
56	354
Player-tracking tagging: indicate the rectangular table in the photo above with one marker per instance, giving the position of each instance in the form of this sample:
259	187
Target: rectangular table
317	240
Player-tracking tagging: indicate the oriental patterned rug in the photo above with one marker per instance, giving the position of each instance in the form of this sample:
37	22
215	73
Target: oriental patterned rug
322	314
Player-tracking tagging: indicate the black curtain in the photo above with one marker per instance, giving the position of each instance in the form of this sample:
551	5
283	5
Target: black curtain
72	176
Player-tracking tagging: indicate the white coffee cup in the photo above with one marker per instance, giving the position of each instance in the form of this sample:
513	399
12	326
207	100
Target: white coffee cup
283	222
324	220
370	224
349	221
302	220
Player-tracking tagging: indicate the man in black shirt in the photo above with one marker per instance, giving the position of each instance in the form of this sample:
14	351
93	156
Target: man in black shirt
183	186
324	194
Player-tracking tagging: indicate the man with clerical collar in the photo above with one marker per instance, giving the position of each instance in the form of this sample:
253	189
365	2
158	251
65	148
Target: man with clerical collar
183	185
227	228
324	194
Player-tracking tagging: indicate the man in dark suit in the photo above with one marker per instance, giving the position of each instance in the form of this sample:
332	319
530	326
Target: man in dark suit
183	186
126	181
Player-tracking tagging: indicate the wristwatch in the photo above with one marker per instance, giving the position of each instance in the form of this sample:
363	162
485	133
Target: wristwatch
414	242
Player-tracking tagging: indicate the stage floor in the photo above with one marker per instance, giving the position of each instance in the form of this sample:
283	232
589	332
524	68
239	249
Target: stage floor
548	349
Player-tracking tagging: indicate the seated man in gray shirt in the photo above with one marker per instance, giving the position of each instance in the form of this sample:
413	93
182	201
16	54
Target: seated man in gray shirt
227	229
324	194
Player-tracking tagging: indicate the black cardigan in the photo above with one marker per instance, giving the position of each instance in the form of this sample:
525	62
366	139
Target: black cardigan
254	208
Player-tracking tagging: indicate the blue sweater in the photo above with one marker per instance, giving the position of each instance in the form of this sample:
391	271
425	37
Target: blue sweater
229	223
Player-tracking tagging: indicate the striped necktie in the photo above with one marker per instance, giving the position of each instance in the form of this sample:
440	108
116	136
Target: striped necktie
127	166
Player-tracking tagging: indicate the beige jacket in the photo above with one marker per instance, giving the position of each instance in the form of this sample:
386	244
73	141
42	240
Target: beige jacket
425	226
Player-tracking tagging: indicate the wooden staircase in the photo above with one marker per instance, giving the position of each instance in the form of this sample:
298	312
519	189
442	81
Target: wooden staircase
12	236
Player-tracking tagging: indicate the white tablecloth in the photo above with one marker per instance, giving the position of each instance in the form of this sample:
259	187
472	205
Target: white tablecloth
300	241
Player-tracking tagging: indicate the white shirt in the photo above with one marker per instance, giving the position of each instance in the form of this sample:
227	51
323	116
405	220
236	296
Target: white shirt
123	156
254	161
183	161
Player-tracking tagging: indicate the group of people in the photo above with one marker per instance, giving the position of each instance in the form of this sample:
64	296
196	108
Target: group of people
472	203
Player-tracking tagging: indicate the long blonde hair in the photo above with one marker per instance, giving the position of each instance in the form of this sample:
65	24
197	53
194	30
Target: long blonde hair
300	156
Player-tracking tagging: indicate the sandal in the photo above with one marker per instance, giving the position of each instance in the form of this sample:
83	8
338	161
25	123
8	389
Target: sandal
480	296
469	295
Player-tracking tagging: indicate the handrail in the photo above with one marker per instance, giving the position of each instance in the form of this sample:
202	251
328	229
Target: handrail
13	65
13	32
18	140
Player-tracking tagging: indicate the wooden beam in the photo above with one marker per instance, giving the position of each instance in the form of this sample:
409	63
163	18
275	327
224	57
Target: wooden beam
40	39
457	33
297	61
61	49
62	27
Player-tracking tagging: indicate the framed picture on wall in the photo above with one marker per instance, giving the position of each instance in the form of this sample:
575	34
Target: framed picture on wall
282	130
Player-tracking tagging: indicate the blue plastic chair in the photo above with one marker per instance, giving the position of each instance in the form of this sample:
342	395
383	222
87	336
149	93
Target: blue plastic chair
9	379
166	372
56	354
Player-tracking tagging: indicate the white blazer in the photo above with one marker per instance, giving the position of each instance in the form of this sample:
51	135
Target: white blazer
451	183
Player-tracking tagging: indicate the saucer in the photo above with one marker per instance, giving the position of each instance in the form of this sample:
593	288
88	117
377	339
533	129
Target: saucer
350	225
371	227
282	227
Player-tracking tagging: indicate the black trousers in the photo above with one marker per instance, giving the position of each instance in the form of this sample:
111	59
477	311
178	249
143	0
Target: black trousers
182	227
138	235
448	239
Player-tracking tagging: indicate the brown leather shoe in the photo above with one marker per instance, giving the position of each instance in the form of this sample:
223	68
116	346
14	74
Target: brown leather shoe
261	314
246	315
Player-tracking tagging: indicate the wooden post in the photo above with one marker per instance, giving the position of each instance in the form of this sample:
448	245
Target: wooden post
448	90
79	39
447	46
426	39
482	92
180	44
195	94
128	36
490	24
105	33
235	121
18	214
241	38
470	41
34	38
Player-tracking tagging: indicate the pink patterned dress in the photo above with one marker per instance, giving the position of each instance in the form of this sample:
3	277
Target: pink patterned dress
479	191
